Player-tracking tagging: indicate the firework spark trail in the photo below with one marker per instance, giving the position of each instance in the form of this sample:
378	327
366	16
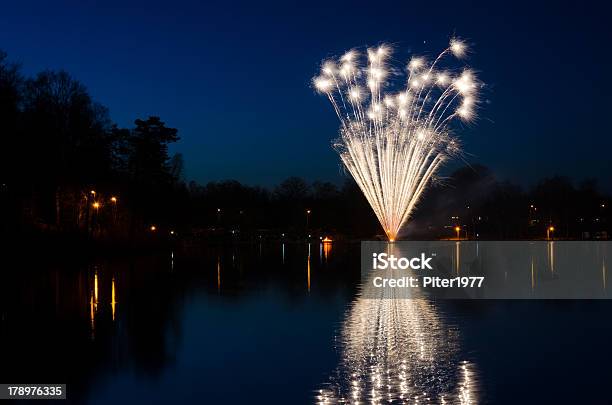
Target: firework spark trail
392	143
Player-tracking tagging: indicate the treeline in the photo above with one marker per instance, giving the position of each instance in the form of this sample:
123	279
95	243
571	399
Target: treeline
67	169
484	207
295	208
471	199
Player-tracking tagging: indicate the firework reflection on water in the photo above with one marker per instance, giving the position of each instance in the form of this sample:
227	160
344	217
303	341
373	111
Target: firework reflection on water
398	350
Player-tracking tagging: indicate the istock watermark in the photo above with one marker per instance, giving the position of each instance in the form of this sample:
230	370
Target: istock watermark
383	261
486	270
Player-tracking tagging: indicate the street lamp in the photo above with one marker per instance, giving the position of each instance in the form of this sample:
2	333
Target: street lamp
549	230
114	208
153	228
307	219
96	205
457	229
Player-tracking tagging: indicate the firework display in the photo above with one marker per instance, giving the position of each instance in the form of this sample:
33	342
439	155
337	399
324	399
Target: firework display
393	140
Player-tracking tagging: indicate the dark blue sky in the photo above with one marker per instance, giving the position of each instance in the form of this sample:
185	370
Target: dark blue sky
234	77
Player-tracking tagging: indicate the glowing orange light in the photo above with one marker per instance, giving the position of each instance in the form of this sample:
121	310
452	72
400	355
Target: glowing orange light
552	228
93	192
457	228
113	300
327	248
153	228
114	199
96	205
327	239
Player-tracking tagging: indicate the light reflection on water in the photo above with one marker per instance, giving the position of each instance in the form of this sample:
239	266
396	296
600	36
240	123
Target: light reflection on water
134	330
397	347
399	350
113	299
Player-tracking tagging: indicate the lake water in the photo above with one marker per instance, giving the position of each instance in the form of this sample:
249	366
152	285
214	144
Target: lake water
276	323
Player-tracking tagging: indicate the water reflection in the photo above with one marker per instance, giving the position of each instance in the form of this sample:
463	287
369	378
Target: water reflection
457	257
327	248
321	252
523	270
308	268
398	350
93	304
283	252
92	315
96	288
550	247
156	329
113	300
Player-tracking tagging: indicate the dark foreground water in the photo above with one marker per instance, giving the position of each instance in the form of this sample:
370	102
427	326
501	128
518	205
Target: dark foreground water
286	324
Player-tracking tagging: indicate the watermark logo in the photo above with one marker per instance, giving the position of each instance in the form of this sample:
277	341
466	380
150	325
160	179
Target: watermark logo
486	269
384	261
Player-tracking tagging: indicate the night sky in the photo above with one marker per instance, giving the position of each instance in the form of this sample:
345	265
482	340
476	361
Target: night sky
234	78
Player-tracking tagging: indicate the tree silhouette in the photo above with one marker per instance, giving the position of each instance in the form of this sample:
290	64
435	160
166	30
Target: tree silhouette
69	170
149	162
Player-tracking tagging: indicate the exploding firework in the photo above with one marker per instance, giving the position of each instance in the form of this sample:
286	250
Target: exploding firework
393	142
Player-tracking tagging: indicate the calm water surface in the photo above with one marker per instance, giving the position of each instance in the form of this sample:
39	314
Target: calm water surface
286	324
